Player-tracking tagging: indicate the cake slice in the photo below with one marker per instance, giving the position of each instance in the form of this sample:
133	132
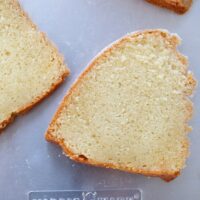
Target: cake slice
179	6
129	109
30	66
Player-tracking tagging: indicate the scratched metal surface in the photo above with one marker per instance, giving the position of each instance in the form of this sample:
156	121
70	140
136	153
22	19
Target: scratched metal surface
81	29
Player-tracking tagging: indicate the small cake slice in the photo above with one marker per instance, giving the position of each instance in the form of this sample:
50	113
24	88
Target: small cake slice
30	66
179	6
129	109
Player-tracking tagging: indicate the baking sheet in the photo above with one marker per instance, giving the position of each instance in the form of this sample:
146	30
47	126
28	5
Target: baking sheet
80	29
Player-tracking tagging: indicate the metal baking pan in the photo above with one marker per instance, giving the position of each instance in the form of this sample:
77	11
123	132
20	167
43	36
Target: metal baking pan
80	29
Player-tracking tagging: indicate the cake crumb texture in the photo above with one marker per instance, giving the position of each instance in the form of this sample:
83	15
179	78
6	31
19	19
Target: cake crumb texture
130	107
30	66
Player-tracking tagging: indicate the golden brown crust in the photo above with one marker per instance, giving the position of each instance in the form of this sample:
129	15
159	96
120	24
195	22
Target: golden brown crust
60	79
27	107
176	5
82	159
173	41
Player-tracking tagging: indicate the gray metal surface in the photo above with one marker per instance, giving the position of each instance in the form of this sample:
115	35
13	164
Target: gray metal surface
80	29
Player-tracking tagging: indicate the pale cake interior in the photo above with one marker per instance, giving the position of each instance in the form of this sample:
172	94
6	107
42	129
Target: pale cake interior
130	109
29	64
